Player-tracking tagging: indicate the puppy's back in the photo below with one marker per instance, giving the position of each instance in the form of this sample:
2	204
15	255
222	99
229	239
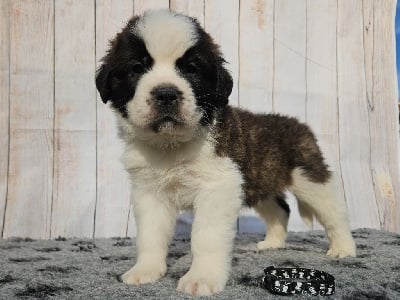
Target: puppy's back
267	148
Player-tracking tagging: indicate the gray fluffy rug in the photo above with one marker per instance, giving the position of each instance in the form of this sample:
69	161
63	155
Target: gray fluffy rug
89	269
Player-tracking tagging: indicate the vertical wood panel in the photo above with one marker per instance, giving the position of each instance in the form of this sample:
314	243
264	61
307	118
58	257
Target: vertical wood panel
4	105
222	22
256	54
354	135
142	5
193	8
289	71
75	119
321	105
384	125
113	188
289	57
31	119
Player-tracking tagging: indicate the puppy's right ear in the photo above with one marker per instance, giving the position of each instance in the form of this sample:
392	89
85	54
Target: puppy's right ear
103	82
224	81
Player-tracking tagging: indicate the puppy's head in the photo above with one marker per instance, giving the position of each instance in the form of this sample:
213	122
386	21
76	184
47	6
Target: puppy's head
165	77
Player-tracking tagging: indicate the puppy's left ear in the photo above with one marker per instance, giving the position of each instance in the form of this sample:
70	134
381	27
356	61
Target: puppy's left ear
224	82
103	82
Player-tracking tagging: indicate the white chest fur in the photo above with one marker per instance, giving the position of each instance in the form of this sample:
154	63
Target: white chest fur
178	175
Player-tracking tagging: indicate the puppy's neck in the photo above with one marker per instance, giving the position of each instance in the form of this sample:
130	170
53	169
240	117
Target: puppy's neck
168	143
140	154
171	146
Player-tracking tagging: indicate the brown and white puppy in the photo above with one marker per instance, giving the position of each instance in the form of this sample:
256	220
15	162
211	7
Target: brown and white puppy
186	148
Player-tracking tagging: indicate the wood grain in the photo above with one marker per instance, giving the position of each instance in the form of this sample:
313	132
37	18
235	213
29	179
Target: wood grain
75	120
383	101
354	133
321	102
256	55
113	188
256	48
30	181
141	6
4	105
290	58
289	71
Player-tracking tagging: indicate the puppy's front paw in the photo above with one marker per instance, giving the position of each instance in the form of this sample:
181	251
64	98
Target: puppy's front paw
270	244
201	284
341	253
141	274
342	249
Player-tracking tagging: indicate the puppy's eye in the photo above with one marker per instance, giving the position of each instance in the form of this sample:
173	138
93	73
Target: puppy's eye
192	68
137	69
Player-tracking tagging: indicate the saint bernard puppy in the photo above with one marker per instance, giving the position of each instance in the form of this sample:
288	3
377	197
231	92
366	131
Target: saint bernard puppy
186	148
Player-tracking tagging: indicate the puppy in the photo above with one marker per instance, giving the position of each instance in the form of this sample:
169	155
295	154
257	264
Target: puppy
186	148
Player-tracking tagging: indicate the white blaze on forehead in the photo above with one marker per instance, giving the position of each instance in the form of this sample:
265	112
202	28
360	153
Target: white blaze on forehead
167	35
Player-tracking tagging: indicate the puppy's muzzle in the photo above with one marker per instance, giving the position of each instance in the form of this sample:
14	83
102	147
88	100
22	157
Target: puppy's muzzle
167	100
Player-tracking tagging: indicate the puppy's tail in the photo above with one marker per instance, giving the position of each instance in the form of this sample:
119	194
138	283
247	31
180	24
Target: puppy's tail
306	213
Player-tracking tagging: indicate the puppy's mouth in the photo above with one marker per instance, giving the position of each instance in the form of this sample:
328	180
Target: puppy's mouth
166	124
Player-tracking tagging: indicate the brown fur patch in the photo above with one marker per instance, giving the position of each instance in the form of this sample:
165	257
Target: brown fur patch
267	147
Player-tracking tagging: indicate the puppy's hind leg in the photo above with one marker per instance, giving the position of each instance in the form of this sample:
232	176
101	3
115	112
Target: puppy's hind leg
330	211
275	213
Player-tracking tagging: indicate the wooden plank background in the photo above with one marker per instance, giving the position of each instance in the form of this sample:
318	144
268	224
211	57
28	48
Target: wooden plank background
331	63
31	100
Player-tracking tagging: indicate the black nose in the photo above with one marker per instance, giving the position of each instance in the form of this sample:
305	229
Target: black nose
166	95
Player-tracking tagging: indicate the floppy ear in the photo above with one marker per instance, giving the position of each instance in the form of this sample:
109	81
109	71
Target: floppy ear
224	82
103	82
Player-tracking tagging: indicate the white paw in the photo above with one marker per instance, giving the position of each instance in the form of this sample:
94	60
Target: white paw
270	244
141	274
343	249
201	284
